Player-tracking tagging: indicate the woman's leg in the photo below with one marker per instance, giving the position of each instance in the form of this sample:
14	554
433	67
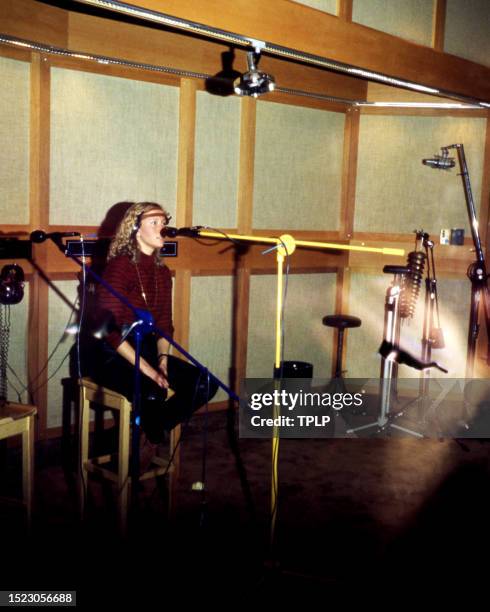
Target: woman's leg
191	389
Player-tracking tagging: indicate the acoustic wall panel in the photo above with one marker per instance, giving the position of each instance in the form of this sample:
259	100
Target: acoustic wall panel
61	304
366	301
14	140
309	298
410	19
16	318
298	167
211	325
395	192
216	160
328	6
467	28
112	139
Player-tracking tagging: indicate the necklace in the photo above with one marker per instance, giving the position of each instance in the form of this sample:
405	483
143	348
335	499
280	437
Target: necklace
143	294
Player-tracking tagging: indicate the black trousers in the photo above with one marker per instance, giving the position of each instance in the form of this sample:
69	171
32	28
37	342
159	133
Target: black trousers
192	389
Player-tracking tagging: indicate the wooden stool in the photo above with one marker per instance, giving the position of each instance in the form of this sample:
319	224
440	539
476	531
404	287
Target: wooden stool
15	420
96	396
341	322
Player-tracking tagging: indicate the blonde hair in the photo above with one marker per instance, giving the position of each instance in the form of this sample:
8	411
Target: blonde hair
124	241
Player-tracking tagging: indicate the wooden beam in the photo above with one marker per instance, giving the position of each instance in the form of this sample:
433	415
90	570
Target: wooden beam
39	215
241	296
349	173
297	100
344	9
125	72
246	165
34	21
299	27
185	163
439	24
423	112
158	46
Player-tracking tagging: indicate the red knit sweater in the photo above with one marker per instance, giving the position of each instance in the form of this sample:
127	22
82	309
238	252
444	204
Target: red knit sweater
156	282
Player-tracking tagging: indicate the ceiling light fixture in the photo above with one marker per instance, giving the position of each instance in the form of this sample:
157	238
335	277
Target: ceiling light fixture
254	82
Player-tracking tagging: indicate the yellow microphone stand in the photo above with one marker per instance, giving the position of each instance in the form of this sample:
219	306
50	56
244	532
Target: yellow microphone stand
285	245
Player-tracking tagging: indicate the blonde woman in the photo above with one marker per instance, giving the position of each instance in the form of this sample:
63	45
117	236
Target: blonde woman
135	269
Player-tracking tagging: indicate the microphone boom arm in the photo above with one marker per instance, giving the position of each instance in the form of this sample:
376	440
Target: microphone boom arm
477	272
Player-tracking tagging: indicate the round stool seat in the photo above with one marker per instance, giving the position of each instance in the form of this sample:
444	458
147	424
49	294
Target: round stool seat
341	321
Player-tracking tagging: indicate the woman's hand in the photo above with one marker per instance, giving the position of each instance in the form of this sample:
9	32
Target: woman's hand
156	375
162	367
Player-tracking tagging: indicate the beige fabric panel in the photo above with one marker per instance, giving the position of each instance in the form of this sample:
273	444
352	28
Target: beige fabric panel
328	6
366	301
210	325
395	192
310	297
112	139
298	167
60	315
14	141
216	160
410	19
467	30
17	354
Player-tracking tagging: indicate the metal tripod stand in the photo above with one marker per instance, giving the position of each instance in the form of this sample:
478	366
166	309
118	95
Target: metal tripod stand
389	366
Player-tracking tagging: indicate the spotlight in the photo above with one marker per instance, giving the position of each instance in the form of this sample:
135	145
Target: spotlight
253	82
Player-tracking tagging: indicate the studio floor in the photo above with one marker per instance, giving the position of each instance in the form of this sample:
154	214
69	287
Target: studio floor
351	512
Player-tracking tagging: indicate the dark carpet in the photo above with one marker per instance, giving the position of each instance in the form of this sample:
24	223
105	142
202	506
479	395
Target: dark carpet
354	517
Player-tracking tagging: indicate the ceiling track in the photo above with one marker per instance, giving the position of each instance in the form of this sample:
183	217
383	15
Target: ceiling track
115	61
277	50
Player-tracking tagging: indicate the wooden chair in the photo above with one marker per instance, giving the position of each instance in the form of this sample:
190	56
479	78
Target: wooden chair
93	396
18	420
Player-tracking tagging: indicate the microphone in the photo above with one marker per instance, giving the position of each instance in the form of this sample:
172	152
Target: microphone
393	352
39	236
171	232
411	283
441	162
